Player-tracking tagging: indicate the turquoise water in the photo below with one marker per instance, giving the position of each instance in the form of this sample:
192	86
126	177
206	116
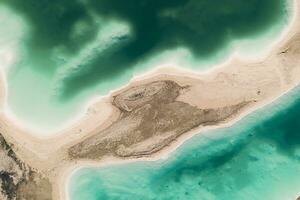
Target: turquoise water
63	52
257	158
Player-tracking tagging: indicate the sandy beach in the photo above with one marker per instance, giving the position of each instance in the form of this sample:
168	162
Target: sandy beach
237	80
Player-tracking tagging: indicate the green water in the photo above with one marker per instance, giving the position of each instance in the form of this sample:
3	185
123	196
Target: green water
256	159
68	51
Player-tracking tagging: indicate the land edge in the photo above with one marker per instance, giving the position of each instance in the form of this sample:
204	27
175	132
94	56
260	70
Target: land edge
186	136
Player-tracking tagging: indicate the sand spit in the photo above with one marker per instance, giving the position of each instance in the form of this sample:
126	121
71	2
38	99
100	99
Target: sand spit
150	119
146	119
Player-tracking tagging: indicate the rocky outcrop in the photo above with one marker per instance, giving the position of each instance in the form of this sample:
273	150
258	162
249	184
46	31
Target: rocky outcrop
18	181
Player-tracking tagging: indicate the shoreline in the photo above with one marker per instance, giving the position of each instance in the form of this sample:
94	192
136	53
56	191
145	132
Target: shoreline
234	55
16	133
167	152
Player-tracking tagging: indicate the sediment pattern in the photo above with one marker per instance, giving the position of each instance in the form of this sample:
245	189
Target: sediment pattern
64	27
151	118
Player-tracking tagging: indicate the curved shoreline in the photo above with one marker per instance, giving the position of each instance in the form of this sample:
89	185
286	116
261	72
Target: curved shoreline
235	54
164	154
14	133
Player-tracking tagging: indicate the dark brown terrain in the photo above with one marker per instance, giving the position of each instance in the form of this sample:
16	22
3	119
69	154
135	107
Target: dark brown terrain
150	119
19	181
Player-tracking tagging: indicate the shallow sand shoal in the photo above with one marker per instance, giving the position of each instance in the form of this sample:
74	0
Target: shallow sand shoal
236	80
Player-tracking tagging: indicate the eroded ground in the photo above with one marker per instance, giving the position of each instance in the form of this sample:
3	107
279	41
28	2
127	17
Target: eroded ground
151	118
19	181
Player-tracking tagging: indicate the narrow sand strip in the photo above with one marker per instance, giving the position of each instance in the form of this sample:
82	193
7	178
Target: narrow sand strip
261	81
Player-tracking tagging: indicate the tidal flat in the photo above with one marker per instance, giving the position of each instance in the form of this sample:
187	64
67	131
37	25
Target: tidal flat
66	52
257	158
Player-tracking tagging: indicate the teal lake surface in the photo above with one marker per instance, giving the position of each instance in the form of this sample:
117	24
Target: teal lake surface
67	51
257	158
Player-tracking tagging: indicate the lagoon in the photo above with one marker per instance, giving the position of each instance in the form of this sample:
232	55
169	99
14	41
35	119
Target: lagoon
67	52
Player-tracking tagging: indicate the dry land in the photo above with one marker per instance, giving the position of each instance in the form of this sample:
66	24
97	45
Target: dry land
146	119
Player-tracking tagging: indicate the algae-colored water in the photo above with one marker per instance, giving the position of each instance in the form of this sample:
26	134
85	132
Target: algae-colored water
257	158
69	51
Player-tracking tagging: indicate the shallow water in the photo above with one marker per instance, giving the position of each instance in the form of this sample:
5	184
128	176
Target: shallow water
68	51
257	158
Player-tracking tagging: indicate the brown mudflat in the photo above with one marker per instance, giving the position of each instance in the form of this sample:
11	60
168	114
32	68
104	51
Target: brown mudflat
147	117
151	118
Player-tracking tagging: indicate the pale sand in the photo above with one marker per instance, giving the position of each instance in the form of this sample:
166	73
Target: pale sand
232	82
